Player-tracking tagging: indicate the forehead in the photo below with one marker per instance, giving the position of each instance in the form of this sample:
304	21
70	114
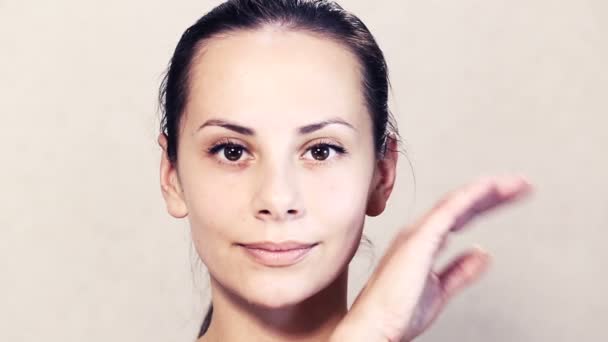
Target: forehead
276	74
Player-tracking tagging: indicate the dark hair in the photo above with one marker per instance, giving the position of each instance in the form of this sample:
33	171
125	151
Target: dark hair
322	17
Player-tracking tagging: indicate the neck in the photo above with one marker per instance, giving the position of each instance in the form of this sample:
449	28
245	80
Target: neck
313	319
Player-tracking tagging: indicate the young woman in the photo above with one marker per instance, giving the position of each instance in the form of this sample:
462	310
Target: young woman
277	142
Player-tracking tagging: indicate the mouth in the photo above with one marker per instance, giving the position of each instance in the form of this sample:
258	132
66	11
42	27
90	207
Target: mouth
278	254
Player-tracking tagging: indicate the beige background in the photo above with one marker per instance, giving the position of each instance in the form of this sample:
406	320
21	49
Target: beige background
88	252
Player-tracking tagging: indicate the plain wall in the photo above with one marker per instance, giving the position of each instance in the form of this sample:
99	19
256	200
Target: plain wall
89	253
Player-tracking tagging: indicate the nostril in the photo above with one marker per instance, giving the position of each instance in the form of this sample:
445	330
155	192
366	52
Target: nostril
268	213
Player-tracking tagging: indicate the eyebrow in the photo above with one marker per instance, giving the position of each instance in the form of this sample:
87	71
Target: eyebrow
250	131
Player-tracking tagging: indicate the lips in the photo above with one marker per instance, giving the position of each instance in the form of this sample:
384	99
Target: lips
278	254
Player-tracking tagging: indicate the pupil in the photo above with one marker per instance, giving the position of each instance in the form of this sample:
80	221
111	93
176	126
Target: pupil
321	152
232	153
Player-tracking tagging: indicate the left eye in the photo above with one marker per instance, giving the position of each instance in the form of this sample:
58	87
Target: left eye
321	152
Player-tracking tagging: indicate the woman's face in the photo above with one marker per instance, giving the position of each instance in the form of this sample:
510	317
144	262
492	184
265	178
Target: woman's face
271	89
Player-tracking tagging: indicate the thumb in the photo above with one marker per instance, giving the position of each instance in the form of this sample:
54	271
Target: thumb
463	271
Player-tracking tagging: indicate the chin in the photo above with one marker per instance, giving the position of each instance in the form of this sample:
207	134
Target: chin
277	287
278	294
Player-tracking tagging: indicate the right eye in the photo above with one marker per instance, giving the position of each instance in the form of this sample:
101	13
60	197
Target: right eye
232	152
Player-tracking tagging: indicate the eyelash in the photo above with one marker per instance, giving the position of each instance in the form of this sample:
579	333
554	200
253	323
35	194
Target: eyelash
217	147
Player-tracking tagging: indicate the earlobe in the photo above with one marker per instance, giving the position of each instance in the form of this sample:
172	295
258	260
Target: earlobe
170	184
384	179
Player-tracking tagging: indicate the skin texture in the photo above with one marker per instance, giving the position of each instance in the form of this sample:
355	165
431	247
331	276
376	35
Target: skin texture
277	190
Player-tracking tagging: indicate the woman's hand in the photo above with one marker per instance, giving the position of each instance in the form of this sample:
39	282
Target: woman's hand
404	295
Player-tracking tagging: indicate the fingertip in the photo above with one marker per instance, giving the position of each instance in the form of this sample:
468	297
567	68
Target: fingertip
526	183
478	249
481	258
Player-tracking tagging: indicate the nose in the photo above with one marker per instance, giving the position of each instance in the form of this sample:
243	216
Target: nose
277	197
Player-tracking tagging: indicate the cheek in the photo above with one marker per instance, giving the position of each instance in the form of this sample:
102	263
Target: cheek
213	204
338	201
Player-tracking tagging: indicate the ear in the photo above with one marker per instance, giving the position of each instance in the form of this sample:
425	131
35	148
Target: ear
170	184
384	179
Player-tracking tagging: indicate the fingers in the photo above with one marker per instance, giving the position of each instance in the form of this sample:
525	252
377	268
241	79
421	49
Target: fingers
463	271
410	257
460	207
